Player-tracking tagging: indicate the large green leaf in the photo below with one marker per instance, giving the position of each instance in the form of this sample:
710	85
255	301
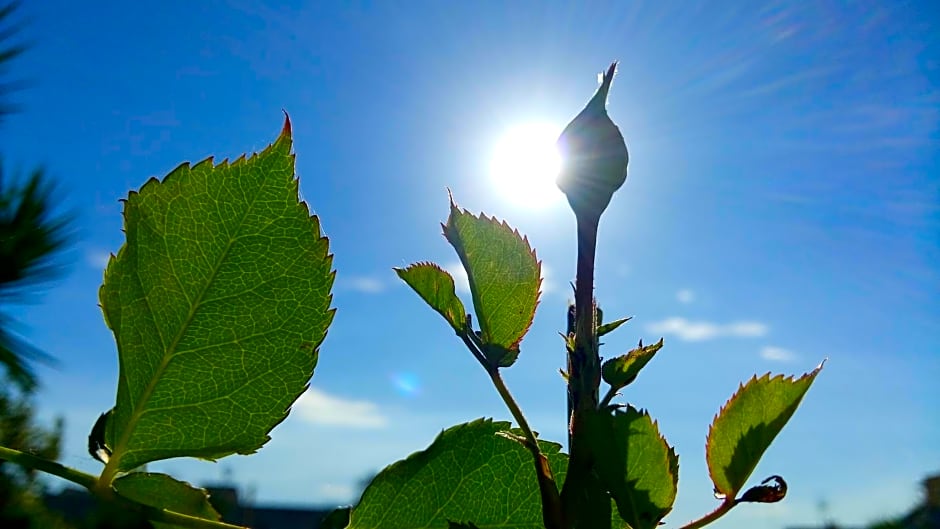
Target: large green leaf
747	424
635	463
218	302
504	276
468	475
164	492
436	288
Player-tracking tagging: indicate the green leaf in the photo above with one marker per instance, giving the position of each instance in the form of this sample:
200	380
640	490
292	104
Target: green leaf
468	474
635	463
97	446
504	276
336	519
218	302
611	326
164	492
622	370
747	424
436	288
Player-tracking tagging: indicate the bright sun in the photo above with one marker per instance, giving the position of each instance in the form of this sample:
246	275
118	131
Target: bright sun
525	164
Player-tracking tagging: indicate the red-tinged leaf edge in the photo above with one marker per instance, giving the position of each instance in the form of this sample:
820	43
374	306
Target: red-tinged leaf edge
622	370
499	352
735	443
440	293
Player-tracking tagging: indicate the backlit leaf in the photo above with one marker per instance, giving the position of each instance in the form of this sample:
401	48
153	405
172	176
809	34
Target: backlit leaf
164	492
436	288
635	463
504	276
469	475
218	301
747	424
622	370
611	326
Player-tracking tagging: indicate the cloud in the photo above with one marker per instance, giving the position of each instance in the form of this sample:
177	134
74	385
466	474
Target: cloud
547	284
364	284
316	407
335	492
461	282
777	354
97	258
685	296
697	331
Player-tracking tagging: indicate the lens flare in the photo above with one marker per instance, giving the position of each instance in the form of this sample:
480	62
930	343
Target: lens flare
407	384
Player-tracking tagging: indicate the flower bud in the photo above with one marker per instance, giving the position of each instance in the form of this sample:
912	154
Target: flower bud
593	156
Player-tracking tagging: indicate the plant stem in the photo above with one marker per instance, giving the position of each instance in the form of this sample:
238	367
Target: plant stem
609	396
174	518
514	409
584	373
91	483
552	514
722	510
472	346
584	362
50	467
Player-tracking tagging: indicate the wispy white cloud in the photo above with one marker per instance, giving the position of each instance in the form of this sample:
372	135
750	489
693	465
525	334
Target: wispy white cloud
97	258
685	296
335	492
364	284
696	331
548	285
777	354
461	282
317	407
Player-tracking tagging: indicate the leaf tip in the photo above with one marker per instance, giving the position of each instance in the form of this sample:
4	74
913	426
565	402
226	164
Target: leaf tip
286	131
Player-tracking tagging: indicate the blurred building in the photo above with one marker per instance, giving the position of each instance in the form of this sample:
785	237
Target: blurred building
78	506
924	516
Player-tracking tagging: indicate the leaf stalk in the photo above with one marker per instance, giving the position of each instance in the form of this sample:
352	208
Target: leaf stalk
91	483
552	514
50	467
722	510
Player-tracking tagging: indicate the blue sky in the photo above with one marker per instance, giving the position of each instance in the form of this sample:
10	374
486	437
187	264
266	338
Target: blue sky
783	206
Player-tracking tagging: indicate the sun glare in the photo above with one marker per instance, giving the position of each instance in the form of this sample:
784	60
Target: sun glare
525	164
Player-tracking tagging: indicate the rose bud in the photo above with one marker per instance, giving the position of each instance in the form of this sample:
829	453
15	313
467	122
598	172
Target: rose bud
593	156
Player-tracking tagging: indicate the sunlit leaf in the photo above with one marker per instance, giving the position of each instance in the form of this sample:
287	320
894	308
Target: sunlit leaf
458	525
622	370
469	474
436	288
635	463
611	326
504	276
747	424
164	492
218	301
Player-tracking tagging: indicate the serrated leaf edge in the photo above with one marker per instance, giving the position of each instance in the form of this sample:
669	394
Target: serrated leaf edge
502	224
459	326
766	378
285	135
